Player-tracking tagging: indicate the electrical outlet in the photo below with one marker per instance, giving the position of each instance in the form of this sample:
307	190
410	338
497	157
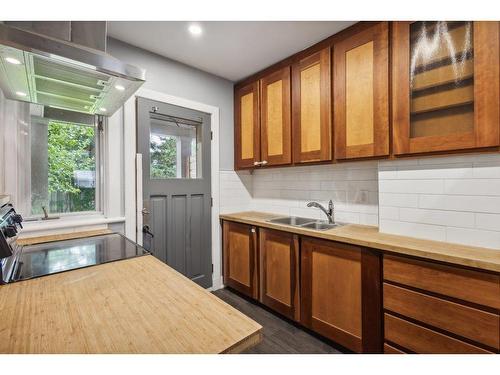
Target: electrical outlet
363	196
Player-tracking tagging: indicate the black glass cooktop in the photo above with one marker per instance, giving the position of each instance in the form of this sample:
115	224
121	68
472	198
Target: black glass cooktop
53	257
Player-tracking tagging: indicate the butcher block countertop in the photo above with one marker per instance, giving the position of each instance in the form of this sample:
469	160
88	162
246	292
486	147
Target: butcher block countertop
138	305
35	239
369	236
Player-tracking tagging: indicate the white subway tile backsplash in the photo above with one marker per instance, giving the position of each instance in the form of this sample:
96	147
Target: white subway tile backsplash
486	170
445	198
430	232
473	237
463	204
488	221
414	186
326	195
368	219
334	185
353	187
388	212
468	203
398	199
475	186
437	217
435	172
387	173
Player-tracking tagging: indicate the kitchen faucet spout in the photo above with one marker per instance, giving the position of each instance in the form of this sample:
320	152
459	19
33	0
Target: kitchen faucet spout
328	213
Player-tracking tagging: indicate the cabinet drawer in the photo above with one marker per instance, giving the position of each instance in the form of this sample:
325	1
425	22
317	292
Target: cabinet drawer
468	322
419	339
473	286
389	349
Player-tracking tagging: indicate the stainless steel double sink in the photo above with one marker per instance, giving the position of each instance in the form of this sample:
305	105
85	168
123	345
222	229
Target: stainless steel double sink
304	222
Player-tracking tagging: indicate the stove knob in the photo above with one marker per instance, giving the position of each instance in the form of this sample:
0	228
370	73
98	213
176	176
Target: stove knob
18	219
10	231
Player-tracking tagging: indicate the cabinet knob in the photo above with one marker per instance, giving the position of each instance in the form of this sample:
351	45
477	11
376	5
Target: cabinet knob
264	162
252	230
256	163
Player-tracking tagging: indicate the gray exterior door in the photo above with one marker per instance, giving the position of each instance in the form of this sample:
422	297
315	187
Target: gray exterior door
175	147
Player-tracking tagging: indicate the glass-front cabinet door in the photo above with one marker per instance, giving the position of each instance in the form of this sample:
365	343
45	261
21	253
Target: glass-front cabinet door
445	86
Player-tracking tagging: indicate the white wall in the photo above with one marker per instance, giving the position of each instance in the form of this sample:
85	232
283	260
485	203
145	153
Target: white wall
173	78
235	191
453	198
14	140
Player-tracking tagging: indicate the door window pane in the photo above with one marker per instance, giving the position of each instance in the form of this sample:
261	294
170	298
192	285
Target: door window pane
441	78
175	148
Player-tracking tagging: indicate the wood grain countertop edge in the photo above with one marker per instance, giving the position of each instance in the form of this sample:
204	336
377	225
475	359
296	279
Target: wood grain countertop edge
247	335
369	236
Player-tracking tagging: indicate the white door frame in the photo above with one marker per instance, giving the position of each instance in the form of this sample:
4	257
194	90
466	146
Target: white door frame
133	171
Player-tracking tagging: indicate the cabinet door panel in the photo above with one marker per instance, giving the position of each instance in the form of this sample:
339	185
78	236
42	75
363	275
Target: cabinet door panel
240	255
446	79
361	94
279	272
276	118
331	291
247	126
311	105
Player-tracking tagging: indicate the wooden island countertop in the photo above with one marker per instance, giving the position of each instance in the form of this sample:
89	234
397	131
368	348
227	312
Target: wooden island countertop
137	305
369	236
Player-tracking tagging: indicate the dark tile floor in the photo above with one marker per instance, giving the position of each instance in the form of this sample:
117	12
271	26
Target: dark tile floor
279	335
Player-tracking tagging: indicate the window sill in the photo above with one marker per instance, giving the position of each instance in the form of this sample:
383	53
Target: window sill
69	222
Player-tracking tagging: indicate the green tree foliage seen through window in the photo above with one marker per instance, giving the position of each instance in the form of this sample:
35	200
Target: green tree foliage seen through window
163	154
71	148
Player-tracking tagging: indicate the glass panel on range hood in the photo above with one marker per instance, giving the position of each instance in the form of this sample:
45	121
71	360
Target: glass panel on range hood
63	75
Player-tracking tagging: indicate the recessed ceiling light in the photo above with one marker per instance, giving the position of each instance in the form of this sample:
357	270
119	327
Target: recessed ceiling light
195	29
12	60
119	87
102	109
20	93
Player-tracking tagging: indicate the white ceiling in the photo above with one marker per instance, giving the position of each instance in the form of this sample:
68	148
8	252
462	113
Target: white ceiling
232	50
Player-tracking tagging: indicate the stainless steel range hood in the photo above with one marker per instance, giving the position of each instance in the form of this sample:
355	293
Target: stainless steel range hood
61	74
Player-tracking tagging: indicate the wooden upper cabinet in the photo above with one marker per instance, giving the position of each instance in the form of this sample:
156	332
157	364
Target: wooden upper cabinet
246	126
445	86
279	271
311	108
361	93
275	131
240	257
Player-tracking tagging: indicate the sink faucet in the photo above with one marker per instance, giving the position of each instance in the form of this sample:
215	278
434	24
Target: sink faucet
328	213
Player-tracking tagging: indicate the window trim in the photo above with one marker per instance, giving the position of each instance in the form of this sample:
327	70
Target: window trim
24	192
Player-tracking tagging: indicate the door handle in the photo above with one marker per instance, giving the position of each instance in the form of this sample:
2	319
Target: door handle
145	212
264	162
147	230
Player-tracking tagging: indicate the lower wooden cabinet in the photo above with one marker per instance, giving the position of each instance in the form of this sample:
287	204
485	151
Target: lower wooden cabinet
279	272
435	308
240	258
363	301
340	290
